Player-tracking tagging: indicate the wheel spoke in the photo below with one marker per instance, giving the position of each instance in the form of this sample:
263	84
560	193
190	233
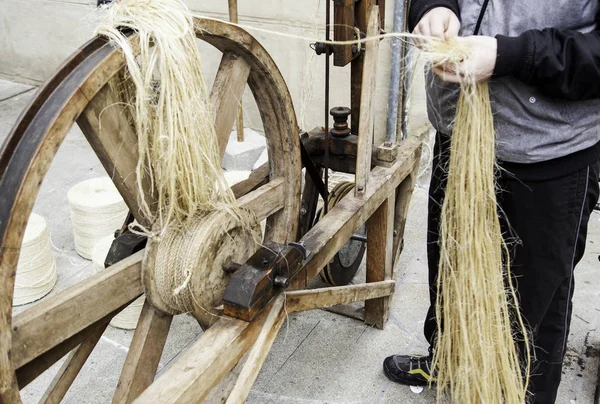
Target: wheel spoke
226	94
72	366
106	126
265	200
144	354
207	361
56	319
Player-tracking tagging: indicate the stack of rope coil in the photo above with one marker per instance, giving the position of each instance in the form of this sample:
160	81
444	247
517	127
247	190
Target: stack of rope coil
36	270
97	210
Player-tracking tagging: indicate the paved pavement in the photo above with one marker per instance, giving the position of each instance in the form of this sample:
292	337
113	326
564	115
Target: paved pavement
319	357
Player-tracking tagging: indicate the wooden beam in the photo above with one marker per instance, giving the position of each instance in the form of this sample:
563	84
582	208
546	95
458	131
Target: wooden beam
200	368
71	367
303	300
226	94
333	231
265	200
57	318
367	105
259	353
144	354
380	241
105	123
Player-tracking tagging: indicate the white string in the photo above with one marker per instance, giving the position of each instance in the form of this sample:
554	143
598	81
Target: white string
36	269
97	210
127	319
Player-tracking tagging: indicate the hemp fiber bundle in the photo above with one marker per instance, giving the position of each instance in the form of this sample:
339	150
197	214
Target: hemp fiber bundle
476	356
178	146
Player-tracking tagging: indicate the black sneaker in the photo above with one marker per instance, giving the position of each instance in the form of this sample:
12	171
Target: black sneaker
409	369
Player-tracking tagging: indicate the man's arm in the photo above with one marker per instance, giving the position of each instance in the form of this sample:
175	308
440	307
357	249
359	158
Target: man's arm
562	64
418	9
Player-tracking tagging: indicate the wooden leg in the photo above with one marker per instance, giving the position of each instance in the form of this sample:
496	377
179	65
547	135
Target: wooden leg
403	196
379	259
71	368
259	353
144	354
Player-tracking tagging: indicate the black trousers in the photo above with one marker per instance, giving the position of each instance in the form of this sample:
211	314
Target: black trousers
545	224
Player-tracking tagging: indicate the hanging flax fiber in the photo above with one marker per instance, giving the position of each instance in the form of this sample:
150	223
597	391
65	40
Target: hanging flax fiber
195	212
476	356
173	117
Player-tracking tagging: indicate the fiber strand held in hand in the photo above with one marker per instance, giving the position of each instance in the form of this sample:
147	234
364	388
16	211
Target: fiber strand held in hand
476	355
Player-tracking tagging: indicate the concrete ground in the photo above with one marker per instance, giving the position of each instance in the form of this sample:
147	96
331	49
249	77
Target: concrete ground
319	357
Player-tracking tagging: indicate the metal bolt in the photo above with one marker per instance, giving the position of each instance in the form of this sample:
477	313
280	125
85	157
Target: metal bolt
395	233
281	281
231	268
303	211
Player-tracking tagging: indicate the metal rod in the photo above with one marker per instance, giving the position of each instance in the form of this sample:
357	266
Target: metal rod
358	237
395	73
403	111
327	56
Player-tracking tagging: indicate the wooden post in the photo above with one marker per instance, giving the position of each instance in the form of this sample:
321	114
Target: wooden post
233	17
367	106
380	231
361	13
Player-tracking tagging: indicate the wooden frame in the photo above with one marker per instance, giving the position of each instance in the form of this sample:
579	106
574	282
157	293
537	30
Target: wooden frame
35	339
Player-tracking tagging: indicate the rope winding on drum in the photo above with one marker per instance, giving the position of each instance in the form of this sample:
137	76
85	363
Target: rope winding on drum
36	270
97	210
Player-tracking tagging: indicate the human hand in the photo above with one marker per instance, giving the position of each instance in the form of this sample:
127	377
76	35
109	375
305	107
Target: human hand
439	22
479	66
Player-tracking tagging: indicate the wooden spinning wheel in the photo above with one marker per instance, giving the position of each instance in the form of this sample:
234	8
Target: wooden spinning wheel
71	322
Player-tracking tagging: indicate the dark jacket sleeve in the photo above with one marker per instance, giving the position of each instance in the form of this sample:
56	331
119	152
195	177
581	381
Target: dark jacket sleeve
418	8
562	64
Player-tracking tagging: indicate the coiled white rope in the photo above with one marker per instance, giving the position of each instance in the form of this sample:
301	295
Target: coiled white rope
128	317
97	210
36	270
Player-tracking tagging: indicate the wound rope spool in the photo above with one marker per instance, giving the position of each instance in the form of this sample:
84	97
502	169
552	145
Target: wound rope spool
97	210
187	269
36	270
128	317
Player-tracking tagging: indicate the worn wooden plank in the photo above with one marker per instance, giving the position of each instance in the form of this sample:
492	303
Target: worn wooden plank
200	368
106	125
226	94
144	354
63	315
258	353
333	231
302	300
367	105
380	228
71	367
